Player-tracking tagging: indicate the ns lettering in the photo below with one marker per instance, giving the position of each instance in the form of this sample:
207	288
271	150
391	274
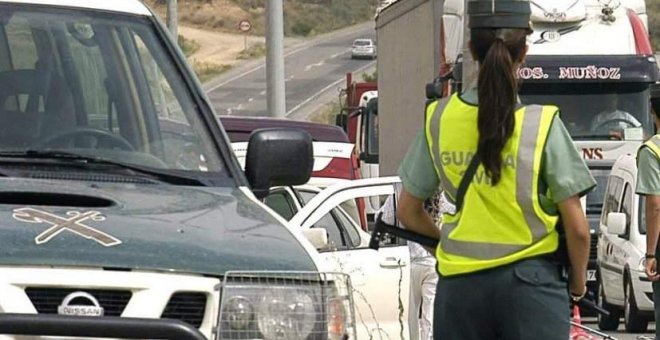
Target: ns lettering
592	153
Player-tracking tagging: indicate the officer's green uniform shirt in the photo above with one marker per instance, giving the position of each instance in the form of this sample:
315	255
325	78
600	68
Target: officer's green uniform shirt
564	172
648	173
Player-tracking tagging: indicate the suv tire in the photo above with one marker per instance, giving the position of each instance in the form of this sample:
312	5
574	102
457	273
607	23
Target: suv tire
634	322
607	322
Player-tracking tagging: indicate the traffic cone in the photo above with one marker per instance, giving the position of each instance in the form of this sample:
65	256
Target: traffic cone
578	333
576	315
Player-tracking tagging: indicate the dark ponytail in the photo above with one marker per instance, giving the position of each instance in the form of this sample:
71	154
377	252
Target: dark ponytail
498	51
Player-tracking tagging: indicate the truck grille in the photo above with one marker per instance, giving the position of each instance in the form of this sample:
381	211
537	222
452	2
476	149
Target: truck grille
46	300
186	306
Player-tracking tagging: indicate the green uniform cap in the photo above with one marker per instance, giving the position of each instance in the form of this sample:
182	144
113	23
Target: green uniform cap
499	14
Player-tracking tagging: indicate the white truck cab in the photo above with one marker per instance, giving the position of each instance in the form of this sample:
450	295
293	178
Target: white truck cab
594	61
624	287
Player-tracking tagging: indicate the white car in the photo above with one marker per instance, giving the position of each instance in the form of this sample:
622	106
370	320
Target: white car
380	279
623	285
363	48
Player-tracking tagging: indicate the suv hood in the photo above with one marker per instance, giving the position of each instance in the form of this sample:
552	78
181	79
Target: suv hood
137	226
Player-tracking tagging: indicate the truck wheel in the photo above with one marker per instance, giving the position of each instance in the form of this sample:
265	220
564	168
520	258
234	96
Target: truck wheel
607	322
634	322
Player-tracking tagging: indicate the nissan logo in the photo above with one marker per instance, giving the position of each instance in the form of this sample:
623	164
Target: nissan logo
91	308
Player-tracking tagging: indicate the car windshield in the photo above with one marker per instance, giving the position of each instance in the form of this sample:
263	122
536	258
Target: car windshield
595	197
597	110
362	43
100	85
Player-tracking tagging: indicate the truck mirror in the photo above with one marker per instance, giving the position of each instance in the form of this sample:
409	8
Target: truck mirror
278	157
340	120
616	223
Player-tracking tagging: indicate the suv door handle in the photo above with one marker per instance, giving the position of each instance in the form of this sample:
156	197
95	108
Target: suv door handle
393	262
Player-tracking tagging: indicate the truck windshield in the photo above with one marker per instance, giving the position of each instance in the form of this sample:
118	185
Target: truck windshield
597	111
97	84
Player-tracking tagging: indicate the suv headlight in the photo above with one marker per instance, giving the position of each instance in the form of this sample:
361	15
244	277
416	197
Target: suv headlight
286	305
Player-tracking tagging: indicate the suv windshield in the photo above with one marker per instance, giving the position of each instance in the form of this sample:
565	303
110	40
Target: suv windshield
362	43
100	85
597	110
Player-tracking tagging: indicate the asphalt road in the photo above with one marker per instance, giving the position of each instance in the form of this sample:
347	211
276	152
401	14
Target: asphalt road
621	334
312	69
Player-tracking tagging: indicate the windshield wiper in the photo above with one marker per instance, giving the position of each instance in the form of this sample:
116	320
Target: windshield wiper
78	159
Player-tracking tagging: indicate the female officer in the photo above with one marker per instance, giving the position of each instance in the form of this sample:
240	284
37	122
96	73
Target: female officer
512	172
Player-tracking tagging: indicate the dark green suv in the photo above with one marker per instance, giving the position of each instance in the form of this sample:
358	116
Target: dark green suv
121	199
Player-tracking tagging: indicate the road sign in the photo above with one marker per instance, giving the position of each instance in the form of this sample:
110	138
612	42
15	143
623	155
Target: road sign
244	25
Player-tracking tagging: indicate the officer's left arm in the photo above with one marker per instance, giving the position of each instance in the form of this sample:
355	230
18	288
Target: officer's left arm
648	185
567	178
412	214
564	171
420	182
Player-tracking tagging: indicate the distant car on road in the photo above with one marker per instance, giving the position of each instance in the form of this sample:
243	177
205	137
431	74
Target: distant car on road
363	48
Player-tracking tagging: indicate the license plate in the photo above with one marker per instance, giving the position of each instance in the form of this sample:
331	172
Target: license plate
591	275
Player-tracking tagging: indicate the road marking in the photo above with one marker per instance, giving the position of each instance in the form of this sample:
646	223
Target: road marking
289	78
250	100
319	93
303	46
310	66
262	93
339	53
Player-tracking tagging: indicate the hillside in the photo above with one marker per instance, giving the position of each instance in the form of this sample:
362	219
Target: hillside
653	8
301	17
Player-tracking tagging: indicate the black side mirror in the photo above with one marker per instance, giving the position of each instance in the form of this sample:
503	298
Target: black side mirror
278	157
341	120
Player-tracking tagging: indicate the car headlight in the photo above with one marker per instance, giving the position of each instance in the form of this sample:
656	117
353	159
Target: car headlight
284	305
642	265
286	313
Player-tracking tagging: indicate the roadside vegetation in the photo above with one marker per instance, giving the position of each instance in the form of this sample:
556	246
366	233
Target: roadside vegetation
188	46
653	9
301	17
327	113
370	77
255	51
206	71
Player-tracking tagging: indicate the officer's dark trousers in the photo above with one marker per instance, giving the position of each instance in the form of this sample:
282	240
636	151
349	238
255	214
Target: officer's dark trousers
524	300
656	305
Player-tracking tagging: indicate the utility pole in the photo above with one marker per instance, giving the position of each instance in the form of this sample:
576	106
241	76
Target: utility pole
469	67
275	90
438	31
172	19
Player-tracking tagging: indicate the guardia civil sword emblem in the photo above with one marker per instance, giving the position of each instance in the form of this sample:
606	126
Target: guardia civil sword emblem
73	222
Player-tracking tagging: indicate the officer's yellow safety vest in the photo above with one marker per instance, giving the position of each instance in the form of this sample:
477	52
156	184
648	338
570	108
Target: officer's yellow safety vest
499	224
654	145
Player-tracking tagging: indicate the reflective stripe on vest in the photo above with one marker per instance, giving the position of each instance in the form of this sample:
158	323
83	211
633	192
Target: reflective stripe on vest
433	114
654	145
464	247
